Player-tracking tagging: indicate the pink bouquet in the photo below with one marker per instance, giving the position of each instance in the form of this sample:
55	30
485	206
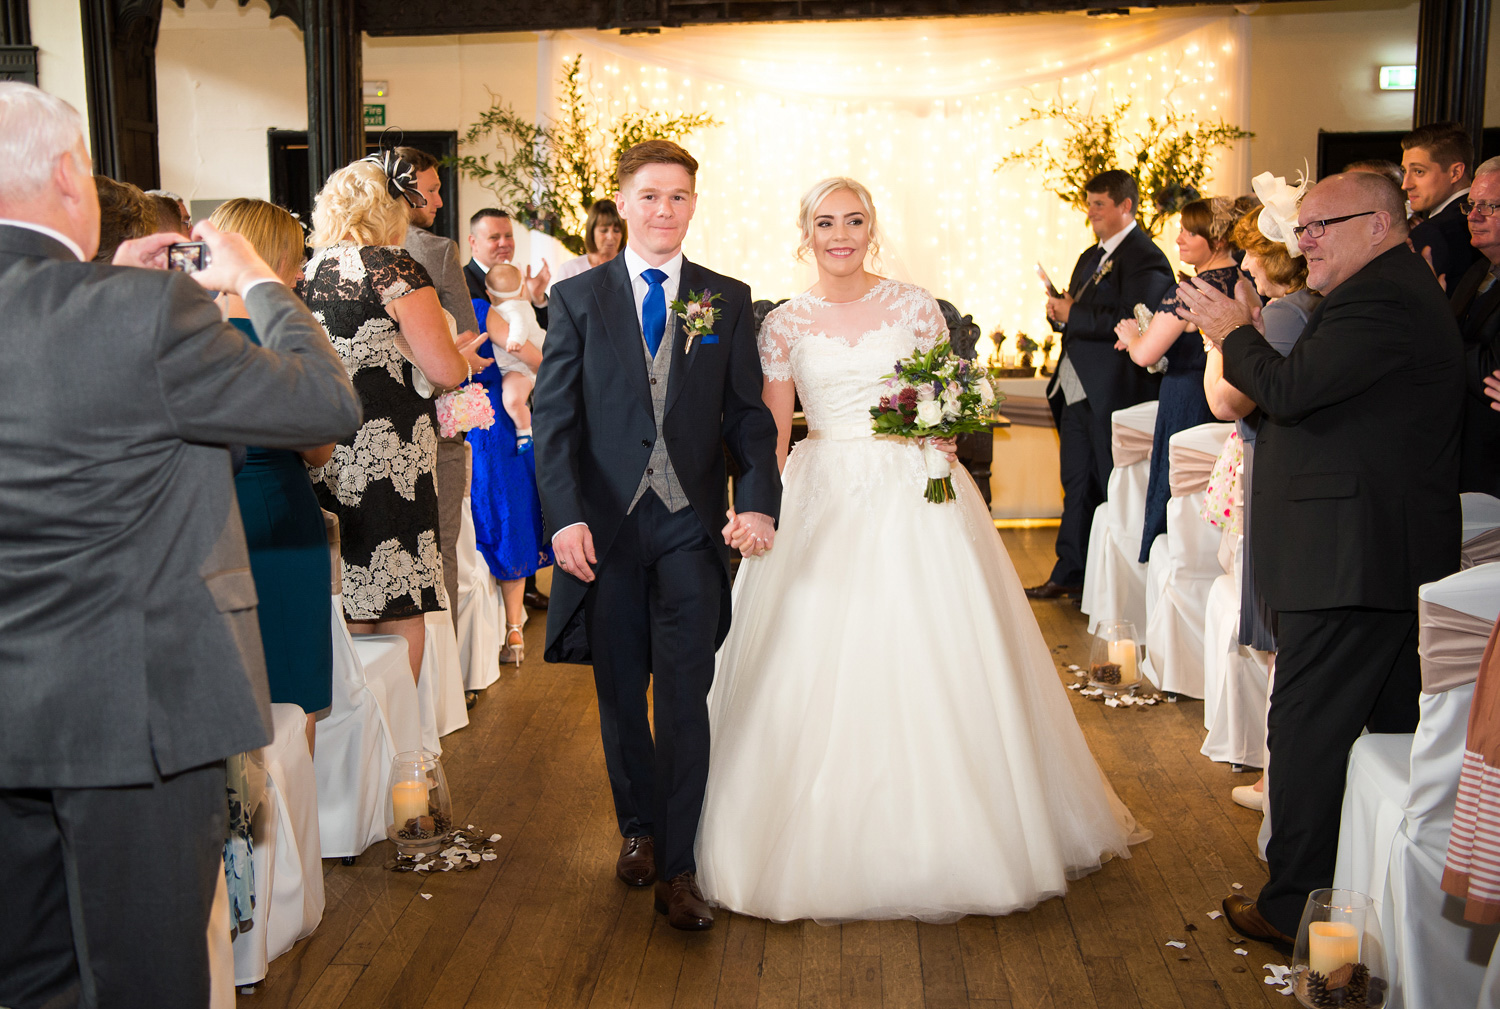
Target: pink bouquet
464	409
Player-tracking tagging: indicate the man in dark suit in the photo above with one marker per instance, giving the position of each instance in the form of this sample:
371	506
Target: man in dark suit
130	655
1093	380
439	257
1437	164
1476	304
1355	507
632	417
492	240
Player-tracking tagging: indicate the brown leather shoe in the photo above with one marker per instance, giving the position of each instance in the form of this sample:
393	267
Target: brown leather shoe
678	898
1051	590
637	863
1246	919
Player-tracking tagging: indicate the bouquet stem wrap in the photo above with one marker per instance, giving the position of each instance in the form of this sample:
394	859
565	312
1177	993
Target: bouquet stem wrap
939	474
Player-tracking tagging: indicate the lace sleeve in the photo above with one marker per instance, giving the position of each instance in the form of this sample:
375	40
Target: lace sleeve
393	272
929	325
775	342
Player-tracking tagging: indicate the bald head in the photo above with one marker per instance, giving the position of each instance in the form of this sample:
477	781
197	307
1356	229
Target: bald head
1362	216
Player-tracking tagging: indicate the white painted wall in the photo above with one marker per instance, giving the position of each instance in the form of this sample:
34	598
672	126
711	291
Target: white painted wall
57	32
1315	65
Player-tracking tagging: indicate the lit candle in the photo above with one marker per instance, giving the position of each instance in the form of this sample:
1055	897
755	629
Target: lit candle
1330	945
1123	654
408	800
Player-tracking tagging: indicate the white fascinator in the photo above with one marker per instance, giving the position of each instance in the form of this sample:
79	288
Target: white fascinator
1278	215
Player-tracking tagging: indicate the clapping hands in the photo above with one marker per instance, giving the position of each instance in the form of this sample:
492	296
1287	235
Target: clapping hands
1215	315
751	533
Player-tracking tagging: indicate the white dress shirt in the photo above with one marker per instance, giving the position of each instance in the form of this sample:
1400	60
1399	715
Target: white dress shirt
636	266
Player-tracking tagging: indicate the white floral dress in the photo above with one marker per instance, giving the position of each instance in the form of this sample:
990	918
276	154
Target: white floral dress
380	484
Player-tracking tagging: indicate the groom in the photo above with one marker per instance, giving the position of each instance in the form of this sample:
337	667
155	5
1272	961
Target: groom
633	412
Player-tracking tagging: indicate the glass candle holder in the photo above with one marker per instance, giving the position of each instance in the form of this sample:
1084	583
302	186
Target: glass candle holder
420	815
1339	958
1116	657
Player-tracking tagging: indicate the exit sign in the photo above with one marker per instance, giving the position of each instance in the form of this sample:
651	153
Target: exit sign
374	115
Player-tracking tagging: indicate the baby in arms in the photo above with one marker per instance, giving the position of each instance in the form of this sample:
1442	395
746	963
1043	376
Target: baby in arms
507	293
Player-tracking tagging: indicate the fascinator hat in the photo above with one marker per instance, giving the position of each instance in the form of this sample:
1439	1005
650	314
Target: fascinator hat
401	177
1278	216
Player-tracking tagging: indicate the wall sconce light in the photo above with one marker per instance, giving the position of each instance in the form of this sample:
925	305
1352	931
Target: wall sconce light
379	89
1402	78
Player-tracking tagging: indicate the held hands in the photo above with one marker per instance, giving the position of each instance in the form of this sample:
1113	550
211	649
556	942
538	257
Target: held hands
573	549
468	346
1127	332
751	533
1059	307
947	446
1215	315
536	287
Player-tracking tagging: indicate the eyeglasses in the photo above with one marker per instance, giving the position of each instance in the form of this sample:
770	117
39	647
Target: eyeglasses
1486	208
1315	229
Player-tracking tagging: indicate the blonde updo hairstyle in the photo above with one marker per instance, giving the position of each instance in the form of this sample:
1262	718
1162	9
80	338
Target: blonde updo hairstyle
354	203
275	233
813	199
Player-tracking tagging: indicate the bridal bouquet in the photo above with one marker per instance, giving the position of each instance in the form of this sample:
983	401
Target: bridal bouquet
464	409
936	395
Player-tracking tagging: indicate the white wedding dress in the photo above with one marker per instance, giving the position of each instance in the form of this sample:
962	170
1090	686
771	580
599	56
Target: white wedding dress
890	738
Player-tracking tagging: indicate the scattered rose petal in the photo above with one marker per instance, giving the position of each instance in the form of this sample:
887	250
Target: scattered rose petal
494	838
425	896
489	856
1237	886
1177	943
1111	702
1216	914
1242	952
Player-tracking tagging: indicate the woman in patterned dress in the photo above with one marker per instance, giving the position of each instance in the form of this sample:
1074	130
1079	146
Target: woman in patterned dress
382	314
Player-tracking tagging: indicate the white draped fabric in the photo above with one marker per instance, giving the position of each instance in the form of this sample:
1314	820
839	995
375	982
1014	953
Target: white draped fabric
1236	679
1114	580
1397	815
1184	564
440	688
481	620
921	111
287	857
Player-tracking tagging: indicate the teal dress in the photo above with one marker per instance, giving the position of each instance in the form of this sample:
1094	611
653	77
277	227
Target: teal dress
293	578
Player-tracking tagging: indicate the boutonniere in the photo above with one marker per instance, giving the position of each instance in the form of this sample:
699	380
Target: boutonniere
1104	268
698	315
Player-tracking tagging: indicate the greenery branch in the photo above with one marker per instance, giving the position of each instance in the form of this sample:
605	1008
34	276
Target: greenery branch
550	175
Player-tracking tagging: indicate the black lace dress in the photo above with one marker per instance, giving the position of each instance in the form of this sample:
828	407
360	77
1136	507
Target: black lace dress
380	484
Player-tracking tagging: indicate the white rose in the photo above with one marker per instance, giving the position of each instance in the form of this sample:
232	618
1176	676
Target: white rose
929	413
986	392
950	406
925	393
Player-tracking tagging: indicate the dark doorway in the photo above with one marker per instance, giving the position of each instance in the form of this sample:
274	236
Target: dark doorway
291	188
1335	150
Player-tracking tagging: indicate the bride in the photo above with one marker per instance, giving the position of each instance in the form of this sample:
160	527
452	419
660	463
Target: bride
889	736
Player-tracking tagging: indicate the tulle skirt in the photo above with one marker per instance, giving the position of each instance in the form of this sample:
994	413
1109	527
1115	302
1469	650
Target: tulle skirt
890	737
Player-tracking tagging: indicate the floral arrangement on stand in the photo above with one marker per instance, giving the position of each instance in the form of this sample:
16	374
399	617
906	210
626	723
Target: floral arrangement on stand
1168	158
550	175
936	394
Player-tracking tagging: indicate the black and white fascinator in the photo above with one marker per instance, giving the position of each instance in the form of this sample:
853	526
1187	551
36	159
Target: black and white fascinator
1278	216
401	177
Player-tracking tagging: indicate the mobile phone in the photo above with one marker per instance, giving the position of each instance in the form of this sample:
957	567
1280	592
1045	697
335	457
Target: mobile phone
189	257
1047	282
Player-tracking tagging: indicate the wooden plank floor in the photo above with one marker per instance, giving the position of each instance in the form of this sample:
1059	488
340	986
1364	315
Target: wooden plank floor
547	924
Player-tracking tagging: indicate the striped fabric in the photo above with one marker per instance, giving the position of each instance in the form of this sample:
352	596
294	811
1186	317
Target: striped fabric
1473	868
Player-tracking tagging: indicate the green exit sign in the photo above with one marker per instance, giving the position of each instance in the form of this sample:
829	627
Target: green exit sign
374	115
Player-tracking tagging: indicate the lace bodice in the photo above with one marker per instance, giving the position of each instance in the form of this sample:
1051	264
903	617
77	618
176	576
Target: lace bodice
839	354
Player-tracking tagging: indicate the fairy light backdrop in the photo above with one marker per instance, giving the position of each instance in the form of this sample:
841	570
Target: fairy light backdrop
921	112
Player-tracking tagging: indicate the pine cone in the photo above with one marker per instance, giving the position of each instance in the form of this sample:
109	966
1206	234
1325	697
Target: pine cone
1357	993
1108	672
1318	993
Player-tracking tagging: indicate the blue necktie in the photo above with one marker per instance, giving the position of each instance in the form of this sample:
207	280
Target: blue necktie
654	310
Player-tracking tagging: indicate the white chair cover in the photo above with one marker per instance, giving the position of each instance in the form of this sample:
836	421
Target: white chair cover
1481	512
440	690
388	678
1379	765
1114	580
480	612
288	852
1235	678
221	993
354	753
1184	565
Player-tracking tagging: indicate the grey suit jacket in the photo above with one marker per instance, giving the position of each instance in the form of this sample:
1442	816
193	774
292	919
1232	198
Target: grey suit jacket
129	644
439	257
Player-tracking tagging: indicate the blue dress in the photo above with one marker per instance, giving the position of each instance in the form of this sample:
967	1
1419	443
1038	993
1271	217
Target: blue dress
502	494
1182	404
289	559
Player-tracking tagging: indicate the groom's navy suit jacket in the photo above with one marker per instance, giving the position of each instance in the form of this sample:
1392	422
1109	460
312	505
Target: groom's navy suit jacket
595	427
